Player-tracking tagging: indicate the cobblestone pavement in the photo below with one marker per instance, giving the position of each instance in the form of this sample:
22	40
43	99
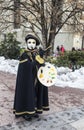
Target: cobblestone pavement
66	108
65	120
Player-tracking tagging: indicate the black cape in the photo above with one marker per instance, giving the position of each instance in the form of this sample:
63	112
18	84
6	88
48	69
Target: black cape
30	95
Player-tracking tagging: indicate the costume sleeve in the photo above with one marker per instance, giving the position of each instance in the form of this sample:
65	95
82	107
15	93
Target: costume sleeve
23	58
41	52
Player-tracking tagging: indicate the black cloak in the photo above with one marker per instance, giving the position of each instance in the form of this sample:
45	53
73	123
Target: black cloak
30	95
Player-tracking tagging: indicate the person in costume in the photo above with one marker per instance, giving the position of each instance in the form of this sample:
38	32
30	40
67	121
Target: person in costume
31	97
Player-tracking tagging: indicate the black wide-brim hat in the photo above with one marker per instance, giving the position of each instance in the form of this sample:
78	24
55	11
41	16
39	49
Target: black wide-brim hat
30	36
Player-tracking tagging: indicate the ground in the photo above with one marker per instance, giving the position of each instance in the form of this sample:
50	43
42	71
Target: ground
60	99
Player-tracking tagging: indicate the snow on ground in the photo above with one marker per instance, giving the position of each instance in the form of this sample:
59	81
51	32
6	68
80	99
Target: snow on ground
65	76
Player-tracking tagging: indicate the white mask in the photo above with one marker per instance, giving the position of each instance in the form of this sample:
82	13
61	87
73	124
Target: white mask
31	44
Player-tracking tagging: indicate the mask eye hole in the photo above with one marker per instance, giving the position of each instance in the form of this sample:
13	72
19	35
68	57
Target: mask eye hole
29	42
33	42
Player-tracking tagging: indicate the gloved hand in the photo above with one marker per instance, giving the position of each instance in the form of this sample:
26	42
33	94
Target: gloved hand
39	59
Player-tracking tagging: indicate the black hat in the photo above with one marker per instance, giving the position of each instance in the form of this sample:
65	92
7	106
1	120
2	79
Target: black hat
30	36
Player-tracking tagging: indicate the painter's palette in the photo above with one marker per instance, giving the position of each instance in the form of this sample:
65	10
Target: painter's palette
47	74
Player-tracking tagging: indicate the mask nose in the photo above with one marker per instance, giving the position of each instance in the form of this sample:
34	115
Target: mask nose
32	47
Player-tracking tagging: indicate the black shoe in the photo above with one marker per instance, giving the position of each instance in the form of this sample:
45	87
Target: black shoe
26	117
36	115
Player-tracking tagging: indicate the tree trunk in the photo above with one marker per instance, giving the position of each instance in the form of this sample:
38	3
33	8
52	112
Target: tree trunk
43	25
17	14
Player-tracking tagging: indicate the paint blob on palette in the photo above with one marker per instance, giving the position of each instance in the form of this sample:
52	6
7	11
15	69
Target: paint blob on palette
47	75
